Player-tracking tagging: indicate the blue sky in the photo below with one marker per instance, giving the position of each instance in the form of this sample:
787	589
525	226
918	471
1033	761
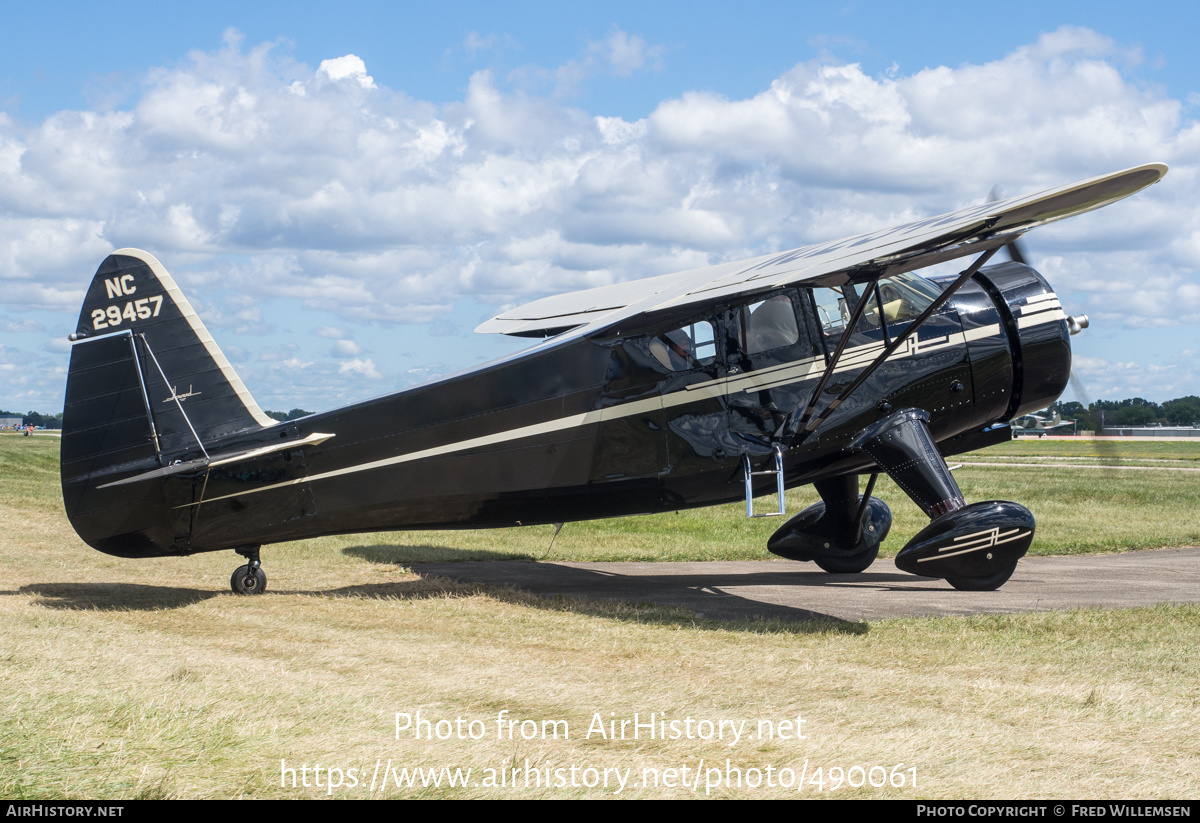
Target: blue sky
346	193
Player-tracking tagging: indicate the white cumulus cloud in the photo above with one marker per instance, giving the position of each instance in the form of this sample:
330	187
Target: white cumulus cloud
251	175
365	368
348	67
346	348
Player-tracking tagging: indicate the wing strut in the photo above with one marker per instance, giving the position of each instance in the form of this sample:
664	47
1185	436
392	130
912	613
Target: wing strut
851	325
807	430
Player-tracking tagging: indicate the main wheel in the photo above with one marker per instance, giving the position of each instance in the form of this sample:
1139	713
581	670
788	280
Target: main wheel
245	581
982	584
852	564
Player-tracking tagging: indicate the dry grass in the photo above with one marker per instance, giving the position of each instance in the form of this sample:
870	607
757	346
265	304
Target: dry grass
128	679
1092	450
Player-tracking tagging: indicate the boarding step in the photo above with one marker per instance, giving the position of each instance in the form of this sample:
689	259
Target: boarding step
776	472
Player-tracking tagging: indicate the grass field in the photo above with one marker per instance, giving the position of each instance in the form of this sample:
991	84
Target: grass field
129	679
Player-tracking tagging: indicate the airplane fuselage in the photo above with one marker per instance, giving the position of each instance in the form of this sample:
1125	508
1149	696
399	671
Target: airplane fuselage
630	420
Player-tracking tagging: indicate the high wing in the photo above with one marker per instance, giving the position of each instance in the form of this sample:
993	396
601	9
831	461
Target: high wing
853	259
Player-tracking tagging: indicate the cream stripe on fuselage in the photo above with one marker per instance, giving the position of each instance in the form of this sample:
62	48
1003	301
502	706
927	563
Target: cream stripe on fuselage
771	377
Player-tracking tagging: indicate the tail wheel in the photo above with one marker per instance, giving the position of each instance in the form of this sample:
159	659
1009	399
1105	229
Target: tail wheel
248	581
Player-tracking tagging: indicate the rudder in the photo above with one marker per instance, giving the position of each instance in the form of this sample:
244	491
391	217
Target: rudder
147	386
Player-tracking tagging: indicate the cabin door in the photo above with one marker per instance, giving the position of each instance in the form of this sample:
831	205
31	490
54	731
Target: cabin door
631	443
771	358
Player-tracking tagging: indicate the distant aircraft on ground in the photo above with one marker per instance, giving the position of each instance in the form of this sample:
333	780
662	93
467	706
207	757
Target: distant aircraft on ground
1047	421
814	365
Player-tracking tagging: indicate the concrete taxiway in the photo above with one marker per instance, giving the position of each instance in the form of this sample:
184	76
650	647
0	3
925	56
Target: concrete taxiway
740	590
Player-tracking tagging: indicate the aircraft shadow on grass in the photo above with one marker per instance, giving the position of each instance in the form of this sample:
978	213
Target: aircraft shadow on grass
709	595
140	597
117	597
747	614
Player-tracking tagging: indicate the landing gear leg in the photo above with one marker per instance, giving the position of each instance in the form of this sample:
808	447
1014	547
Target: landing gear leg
249	579
842	533
975	547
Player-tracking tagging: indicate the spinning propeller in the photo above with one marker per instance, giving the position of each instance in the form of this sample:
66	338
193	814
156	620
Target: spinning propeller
1075	324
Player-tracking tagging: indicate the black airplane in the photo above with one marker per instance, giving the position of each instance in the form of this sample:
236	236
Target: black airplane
815	365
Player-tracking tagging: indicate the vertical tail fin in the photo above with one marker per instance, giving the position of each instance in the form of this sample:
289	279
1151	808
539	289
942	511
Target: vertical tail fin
147	386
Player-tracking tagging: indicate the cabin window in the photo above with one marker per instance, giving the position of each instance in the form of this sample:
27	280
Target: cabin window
904	297
835	306
686	348
769	324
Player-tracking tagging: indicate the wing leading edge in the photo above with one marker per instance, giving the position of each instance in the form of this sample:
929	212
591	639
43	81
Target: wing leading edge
888	251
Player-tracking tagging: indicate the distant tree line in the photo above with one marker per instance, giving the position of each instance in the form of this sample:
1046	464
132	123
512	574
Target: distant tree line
1133	411
292	415
55	420
32	418
49	421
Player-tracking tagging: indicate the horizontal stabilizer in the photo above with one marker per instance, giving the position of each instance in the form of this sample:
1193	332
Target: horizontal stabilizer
220	460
